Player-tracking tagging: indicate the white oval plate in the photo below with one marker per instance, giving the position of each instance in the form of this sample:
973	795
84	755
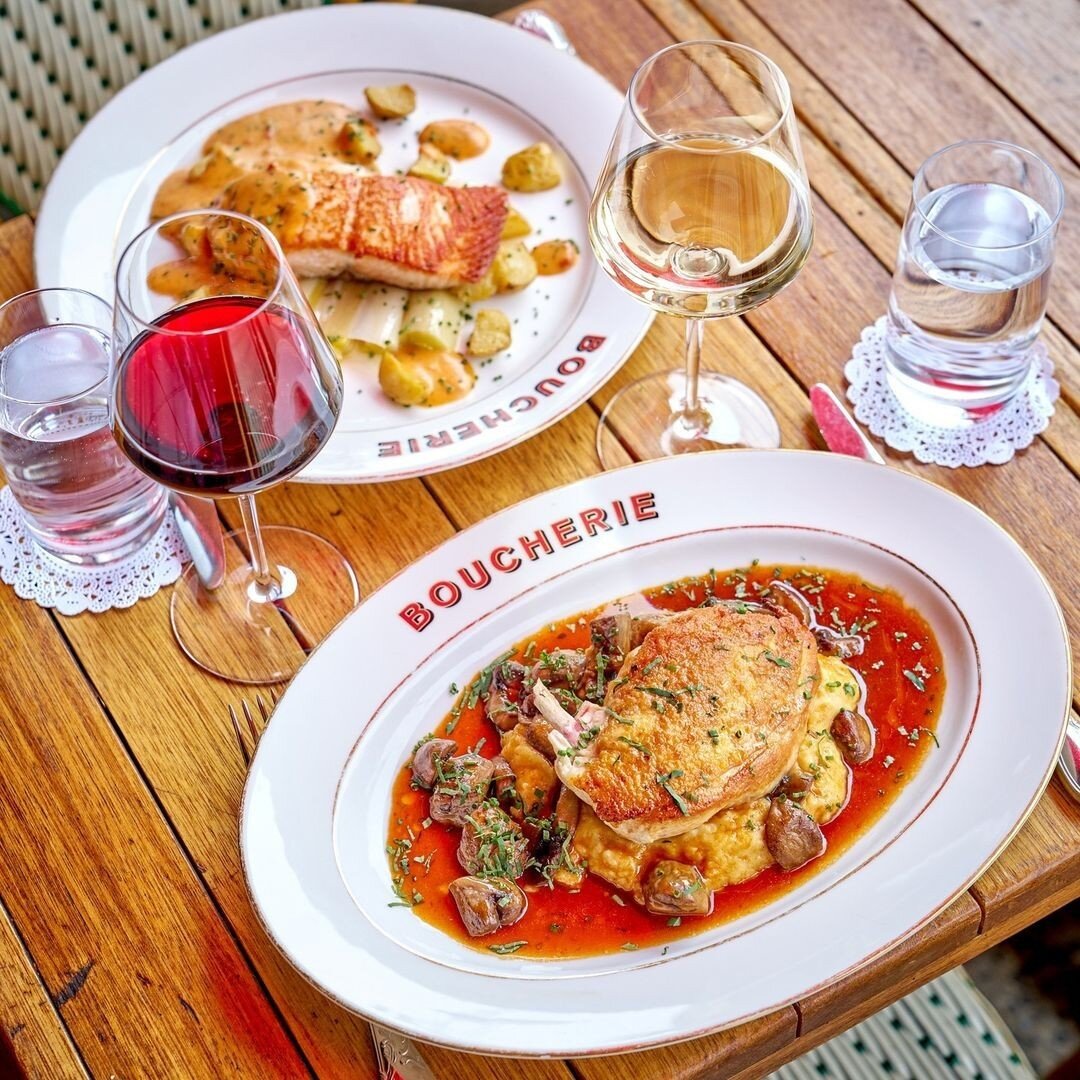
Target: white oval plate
571	331
314	818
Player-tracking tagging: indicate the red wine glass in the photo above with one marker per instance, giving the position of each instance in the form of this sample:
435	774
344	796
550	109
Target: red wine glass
223	385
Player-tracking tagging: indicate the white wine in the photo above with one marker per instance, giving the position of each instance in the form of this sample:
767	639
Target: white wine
702	226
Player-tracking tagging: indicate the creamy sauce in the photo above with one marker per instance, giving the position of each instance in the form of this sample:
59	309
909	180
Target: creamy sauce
295	137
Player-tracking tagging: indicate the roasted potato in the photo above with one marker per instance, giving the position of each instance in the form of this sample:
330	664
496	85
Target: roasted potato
478	290
555	256
491	333
514	267
515	226
425	377
391	102
359	141
460	139
432	164
536	168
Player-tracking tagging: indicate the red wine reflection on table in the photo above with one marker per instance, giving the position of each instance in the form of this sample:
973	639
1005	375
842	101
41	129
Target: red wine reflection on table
231	401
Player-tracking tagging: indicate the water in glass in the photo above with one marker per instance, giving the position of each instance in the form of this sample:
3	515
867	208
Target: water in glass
968	298
81	498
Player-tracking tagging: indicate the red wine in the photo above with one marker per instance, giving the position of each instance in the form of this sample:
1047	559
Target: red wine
225	396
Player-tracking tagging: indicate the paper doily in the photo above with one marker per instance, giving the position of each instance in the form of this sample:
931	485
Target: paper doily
40	576
990	441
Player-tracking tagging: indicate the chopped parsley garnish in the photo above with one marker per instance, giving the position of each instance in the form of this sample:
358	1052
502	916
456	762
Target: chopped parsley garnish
674	921
508	947
651	664
628	946
665	695
779	661
640	747
483	680
664	780
915	680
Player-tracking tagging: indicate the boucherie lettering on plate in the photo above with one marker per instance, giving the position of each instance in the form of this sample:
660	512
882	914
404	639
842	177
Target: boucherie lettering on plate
585	524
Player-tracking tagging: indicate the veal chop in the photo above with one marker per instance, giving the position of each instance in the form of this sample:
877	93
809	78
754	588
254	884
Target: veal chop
544	876
707	712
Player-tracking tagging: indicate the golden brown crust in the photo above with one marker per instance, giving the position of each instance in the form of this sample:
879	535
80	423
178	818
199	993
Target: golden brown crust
713	706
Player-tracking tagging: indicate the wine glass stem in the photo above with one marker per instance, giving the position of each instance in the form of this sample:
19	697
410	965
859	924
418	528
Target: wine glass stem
695	329
264	585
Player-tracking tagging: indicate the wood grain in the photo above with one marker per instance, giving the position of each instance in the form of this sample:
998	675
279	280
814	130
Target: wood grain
28	1016
859	1008
933	96
1042	859
872	200
1002	37
128	943
172	718
711	1058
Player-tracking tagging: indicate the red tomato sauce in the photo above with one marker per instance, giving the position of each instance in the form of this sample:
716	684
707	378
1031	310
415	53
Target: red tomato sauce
901	669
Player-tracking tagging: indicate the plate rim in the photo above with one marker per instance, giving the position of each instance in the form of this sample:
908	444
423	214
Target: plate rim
864	961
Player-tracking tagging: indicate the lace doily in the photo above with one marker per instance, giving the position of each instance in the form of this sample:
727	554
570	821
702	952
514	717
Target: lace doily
990	441
40	576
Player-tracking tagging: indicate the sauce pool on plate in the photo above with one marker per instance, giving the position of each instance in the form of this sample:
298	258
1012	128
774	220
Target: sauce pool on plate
902	685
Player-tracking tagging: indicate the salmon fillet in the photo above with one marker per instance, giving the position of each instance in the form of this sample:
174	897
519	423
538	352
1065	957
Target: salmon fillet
707	713
403	231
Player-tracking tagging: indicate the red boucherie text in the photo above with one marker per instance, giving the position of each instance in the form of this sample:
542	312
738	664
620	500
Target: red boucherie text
506	558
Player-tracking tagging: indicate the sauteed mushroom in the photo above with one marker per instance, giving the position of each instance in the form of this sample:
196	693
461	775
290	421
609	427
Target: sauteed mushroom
854	736
487	904
673	888
423	763
503	702
491	844
792	835
461	786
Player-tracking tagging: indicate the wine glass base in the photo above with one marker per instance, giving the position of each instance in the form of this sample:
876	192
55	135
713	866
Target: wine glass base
234	633
646	419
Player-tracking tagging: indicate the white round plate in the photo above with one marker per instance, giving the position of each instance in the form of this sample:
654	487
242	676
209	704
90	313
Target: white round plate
314	819
571	331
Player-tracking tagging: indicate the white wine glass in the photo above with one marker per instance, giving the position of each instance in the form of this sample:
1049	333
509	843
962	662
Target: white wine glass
702	210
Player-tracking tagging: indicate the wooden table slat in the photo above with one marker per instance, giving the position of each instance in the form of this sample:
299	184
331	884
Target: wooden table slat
702	1059
131	947
957	924
860	156
1007	40
853	173
29	1017
933	95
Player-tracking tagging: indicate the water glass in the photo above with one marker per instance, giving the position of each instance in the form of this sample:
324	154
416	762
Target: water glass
972	280
81	498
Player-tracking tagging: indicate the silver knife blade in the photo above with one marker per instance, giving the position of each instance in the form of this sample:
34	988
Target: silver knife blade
197	522
398	1058
838	428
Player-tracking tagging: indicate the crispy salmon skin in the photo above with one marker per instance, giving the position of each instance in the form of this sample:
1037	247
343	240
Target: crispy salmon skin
403	231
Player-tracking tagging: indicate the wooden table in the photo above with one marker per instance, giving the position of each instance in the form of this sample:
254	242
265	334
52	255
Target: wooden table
128	947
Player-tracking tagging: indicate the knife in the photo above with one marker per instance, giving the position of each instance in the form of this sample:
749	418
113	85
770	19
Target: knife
838	428
197	522
843	436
